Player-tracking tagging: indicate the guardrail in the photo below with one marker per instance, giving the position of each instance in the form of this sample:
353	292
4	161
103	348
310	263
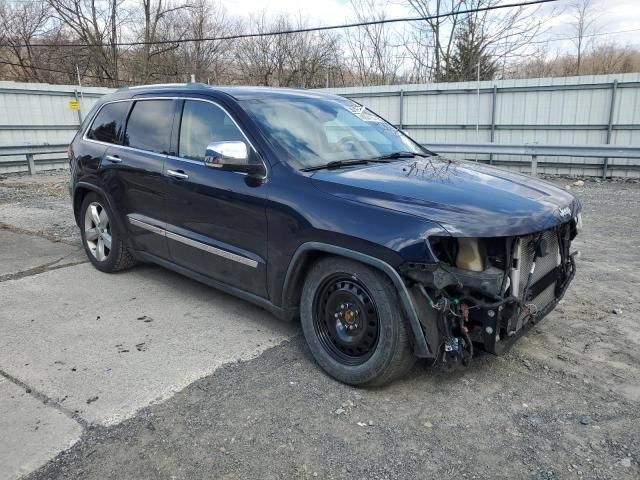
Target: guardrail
532	150
29	152
535	150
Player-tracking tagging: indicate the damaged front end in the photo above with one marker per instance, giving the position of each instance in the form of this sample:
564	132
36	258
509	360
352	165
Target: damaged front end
489	291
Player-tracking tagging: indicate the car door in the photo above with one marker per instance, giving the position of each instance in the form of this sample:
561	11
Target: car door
216	219
132	172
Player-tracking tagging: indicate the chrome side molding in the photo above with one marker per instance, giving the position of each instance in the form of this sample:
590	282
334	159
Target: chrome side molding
192	243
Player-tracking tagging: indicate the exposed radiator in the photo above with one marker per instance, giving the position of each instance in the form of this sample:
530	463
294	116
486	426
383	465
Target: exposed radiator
544	265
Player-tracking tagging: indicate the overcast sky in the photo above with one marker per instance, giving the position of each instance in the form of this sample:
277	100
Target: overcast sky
613	16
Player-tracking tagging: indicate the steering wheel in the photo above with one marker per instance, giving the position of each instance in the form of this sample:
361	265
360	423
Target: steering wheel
343	144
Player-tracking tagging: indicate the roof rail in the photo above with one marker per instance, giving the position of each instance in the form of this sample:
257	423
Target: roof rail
162	85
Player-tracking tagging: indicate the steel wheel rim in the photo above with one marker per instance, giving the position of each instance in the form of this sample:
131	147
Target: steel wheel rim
345	319
97	231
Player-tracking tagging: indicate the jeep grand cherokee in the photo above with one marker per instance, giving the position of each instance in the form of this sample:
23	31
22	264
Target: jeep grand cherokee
312	206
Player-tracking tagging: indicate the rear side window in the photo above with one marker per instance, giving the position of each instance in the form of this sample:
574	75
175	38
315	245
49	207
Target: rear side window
149	125
109	123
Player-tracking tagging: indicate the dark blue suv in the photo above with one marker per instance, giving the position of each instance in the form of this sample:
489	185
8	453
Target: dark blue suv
312	206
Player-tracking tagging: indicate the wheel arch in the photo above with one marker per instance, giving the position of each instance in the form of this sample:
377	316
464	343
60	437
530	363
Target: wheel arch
81	190
309	253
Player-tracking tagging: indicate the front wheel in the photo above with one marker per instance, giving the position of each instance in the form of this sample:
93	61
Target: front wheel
353	323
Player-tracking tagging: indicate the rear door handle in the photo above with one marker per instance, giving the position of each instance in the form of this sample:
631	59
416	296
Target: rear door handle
177	174
113	158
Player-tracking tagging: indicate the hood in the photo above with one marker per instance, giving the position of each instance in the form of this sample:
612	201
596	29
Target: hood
467	199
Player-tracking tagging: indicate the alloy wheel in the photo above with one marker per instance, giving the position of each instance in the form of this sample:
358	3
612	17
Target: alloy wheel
97	231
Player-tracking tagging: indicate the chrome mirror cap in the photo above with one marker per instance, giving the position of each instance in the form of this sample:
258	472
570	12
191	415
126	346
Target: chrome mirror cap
220	153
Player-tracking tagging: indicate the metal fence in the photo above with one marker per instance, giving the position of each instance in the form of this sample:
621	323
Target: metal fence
572	111
533	152
30	154
33	157
41	115
449	118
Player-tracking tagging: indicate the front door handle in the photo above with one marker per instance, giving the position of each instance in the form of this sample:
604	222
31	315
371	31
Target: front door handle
113	158
177	174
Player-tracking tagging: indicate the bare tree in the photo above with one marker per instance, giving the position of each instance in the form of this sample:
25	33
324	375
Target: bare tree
419	52
374	57
96	23
439	32
290	60
21	26
209	60
504	33
601	59
434	49
584	22
160	21
257	57
311	55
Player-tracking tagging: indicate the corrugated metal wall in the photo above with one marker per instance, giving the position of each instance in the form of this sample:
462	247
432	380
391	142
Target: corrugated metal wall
567	110
39	114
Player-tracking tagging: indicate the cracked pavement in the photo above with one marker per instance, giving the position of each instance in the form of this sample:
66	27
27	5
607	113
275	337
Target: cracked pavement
79	348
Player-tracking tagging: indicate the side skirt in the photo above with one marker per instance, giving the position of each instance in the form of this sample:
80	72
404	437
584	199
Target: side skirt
250	297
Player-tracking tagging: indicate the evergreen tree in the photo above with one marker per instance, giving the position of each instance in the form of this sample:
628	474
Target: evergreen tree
470	51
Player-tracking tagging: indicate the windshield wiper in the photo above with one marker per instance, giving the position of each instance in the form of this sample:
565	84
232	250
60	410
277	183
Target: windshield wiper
337	164
405	154
363	161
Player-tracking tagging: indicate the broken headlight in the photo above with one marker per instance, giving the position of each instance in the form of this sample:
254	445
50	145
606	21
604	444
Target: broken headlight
469	253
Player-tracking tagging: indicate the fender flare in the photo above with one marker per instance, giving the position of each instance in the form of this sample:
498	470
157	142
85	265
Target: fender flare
421	348
95	188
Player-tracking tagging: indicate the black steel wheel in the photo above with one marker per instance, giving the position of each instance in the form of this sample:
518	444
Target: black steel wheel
345	318
353	323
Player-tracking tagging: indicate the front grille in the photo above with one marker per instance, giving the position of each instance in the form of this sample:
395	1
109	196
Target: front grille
543	266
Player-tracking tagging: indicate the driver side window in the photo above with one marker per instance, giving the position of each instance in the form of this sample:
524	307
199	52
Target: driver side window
203	123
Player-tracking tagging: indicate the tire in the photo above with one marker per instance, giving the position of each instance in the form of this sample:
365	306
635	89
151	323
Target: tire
99	232
353	323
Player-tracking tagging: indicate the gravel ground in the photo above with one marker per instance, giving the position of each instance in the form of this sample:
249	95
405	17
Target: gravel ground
38	204
563	403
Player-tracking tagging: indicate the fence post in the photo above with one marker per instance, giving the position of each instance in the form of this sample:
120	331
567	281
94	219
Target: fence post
612	109
493	119
401	112
534	165
31	164
75	92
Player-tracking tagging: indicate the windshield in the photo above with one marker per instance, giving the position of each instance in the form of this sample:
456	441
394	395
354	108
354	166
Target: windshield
316	131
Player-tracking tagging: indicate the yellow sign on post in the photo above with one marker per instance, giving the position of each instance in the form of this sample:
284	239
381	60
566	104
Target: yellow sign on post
74	105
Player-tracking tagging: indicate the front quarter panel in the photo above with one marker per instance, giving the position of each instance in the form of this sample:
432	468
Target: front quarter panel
299	213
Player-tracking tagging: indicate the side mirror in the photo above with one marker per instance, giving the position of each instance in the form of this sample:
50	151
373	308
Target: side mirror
219	154
232	157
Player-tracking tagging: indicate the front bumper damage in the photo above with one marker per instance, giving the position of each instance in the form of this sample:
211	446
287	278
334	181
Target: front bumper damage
492	308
